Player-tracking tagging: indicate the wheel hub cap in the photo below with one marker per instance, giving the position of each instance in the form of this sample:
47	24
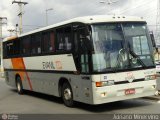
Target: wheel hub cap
67	94
18	86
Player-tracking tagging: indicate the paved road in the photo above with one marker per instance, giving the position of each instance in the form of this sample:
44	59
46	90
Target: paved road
34	103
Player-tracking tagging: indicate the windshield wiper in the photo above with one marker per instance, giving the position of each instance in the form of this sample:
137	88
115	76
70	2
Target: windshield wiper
138	58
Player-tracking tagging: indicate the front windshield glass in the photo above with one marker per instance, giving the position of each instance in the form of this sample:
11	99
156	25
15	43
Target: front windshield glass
120	46
138	42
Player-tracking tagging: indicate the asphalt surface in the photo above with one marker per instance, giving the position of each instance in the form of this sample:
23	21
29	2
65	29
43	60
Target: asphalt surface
36	103
36	106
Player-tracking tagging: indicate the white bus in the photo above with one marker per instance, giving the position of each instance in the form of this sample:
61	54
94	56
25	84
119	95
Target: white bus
93	60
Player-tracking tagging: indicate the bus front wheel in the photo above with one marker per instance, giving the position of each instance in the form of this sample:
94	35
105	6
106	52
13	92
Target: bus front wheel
19	85
67	95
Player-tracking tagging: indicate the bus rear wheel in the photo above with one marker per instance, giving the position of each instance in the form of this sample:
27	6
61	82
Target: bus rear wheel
67	95
19	85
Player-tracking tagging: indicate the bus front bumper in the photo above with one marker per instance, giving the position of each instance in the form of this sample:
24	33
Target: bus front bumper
123	92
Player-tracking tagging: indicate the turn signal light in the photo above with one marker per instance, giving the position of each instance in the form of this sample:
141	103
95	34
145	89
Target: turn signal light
98	84
105	83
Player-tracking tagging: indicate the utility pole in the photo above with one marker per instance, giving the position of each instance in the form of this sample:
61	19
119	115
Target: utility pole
20	13
1	47
1	23
158	23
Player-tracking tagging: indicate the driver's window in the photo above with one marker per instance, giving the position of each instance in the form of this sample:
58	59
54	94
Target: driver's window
84	63
83	51
80	48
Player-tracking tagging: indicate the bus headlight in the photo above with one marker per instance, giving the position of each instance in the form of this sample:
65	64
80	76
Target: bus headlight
105	83
150	77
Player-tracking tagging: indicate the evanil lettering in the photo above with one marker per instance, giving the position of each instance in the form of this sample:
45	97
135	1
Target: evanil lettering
48	65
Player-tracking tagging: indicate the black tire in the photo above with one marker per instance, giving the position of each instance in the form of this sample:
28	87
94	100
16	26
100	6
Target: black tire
67	95
19	86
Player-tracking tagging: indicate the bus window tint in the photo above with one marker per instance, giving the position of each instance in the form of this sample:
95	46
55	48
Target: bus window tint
60	42
48	42
67	38
36	43
45	40
26	45
64	39
52	38
10	48
16	47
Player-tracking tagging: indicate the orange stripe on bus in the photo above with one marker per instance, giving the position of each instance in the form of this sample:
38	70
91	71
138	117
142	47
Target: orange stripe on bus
29	81
18	63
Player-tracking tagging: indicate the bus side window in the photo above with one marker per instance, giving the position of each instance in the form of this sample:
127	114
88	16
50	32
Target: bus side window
84	63
52	40
60	42
26	45
64	41
45	42
10	48
48	40
33	51
81	51
17	47
36	43
75	40
38	40
67	38
84	57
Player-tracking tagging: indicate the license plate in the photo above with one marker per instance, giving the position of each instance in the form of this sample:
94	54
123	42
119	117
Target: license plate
130	91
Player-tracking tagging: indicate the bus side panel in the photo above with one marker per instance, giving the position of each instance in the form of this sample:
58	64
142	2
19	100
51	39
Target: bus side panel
9	78
9	74
14	67
82	88
44	82
48	83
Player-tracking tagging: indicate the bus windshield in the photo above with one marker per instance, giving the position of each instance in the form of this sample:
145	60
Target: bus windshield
121	46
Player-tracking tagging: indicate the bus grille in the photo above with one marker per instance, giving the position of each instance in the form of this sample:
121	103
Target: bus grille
125	82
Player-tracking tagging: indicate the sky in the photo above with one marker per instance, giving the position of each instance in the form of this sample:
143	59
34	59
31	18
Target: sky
34	13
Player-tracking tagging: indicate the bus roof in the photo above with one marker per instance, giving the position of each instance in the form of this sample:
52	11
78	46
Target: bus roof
90	20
